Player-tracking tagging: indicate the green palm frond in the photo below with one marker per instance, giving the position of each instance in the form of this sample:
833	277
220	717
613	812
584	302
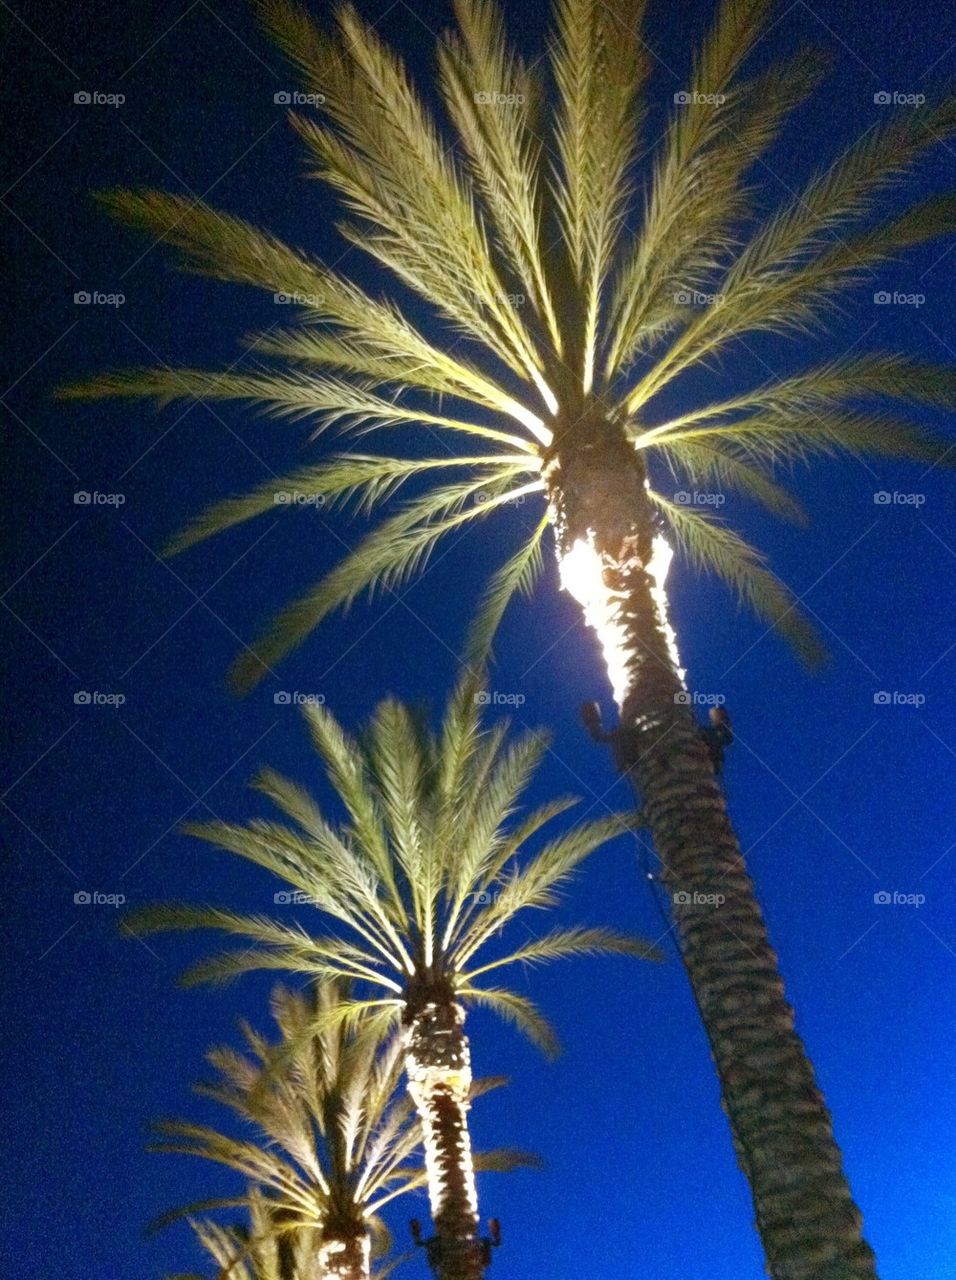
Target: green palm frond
519	1011
385	559
712	546
828	386
715	461
555	269
571	942
599	63
796	436
503	147
689	221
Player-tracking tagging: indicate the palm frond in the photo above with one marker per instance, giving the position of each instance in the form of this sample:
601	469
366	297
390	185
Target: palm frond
599	63
559	943
400	547
365	480
714	461
519	1011
712	546
494	101
688	220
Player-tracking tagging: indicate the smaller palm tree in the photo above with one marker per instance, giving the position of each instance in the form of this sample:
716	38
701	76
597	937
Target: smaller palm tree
259	1251
334	1142
420	882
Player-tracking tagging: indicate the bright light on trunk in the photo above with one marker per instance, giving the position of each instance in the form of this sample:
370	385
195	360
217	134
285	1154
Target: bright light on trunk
582	575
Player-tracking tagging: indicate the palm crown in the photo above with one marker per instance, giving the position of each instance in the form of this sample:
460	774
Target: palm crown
423	876
258	1251
334	1144
519	235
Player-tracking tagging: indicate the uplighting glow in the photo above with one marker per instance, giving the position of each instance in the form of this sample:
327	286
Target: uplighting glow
582	576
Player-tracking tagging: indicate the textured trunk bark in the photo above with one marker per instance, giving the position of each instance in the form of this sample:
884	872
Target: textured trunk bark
808	1223
344	1255
438	1066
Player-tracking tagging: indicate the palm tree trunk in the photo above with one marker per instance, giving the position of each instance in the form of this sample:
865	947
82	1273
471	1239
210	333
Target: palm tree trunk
344	1255
808	1223
438	1065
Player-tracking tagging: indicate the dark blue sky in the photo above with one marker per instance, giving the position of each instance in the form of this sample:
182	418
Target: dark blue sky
837	798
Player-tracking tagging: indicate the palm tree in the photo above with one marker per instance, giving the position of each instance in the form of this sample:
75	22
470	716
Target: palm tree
569	325
333	1144
257	1252
425	874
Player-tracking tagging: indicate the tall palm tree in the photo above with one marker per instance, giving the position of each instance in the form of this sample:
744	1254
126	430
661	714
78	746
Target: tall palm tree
517	229
333	1144
419	882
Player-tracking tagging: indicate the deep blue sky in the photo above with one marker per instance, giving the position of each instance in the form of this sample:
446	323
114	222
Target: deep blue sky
836	797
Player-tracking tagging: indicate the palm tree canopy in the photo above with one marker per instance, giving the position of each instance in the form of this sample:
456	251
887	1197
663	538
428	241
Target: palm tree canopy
579	285
258	1251
430	866
334	1139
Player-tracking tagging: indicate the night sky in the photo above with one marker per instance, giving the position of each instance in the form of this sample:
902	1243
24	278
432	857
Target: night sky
838	796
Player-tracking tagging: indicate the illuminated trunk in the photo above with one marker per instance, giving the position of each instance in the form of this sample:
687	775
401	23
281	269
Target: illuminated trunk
438	1066
344	1253
609	552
